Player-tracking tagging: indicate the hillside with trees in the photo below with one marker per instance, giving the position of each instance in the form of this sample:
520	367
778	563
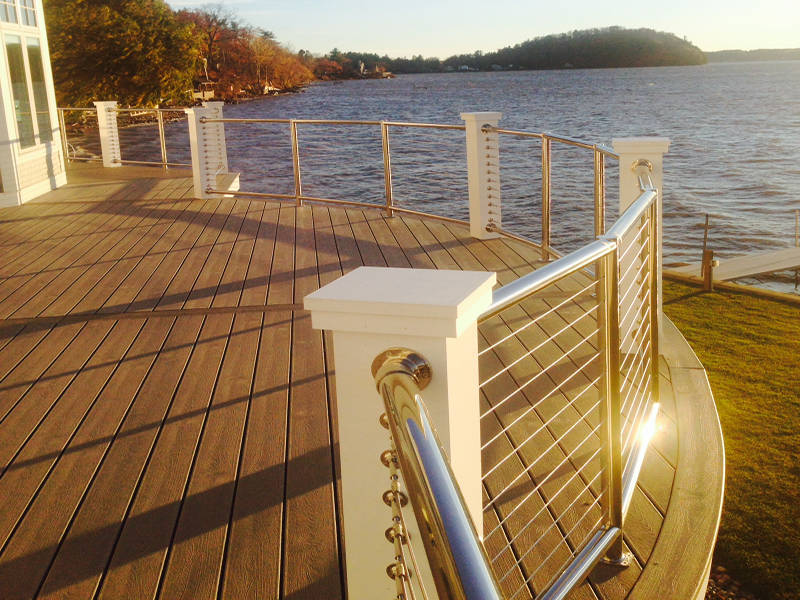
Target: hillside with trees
132	51
753	55
586	49
141	52
590	49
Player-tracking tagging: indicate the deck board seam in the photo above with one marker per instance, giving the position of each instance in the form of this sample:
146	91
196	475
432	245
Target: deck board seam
45	478
239	460
84	268
165	562
65	533
32	380
150	454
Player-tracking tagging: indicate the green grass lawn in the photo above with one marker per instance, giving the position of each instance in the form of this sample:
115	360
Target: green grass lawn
750	347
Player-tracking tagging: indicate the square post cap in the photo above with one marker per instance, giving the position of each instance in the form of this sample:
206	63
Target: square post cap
417	302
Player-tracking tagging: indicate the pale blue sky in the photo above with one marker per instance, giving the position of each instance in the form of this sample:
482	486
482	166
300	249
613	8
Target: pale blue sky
445	27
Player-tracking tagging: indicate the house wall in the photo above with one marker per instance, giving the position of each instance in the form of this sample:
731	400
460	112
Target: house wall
31	171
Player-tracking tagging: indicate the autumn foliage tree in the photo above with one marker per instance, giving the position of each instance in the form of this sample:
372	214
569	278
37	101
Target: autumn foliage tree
242	59
132	51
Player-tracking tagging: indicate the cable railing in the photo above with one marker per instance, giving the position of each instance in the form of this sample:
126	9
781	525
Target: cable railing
568	380
569	393
153	115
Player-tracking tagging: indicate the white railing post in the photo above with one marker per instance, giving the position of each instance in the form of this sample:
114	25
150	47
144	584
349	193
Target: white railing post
209	151
203	171
109	134
483	173
631	151
433	313
218	150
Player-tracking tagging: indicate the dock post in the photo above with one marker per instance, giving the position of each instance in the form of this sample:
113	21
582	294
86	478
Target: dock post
796	242
707	270
483	173
634	151
109	134
433	313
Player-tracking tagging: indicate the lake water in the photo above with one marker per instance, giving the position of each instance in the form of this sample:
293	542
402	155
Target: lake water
735	153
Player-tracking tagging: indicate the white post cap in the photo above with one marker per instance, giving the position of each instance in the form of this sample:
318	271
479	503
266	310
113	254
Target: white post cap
641	145
482	116
418	302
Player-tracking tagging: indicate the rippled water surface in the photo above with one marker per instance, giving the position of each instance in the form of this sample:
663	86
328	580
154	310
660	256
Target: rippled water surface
735	153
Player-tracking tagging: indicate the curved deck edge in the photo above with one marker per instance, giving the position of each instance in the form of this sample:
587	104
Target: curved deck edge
680	563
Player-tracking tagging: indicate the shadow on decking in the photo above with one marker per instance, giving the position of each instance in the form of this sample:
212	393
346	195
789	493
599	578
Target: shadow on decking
259	485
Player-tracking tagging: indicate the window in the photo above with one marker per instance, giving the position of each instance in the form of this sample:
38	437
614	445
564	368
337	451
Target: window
8	11
29	90
39	90
19	90
28	13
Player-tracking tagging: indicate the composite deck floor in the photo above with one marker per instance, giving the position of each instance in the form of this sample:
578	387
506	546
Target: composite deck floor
167	412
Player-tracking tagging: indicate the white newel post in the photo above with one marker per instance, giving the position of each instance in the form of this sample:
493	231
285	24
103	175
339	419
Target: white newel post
435	314
202	172
483	173
209	151
651	149
215	136
109	134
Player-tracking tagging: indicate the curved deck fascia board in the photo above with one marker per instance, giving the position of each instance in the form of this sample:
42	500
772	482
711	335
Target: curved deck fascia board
689	532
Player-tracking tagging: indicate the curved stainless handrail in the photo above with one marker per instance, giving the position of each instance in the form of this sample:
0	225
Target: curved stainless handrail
457	558
526	285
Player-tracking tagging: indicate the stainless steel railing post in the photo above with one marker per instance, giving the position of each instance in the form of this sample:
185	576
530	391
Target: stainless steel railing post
62	124
387	168
546	156
162	138
653	268
599	193
611	407
298	187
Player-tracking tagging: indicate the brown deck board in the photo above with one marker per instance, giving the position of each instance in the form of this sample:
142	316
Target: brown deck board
27	372
167	410
256	283
70	276
311	568
32	407
136	566
198	248
22	478
253	566
195	562
28	555
86	550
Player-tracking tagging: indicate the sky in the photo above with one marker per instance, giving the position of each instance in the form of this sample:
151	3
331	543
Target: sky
446	27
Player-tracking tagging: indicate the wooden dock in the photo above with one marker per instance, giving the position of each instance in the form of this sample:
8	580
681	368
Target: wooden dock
167	412
748	265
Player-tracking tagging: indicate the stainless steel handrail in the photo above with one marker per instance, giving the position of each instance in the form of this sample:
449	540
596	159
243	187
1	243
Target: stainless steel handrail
458	561
517	290
632	213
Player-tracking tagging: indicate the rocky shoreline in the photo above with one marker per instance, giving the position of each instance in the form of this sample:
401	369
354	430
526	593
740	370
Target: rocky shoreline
721	586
